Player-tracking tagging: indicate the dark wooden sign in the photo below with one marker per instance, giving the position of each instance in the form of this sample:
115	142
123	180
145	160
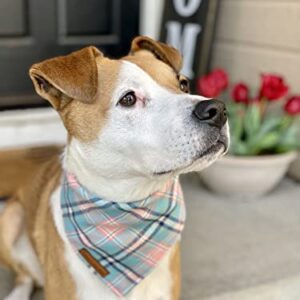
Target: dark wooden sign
189	26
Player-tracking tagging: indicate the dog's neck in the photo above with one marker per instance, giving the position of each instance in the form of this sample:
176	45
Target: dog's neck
128	189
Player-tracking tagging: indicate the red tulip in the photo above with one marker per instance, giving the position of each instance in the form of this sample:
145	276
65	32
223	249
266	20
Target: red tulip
240	93
273	87
221	78
292	106
213	84
206	86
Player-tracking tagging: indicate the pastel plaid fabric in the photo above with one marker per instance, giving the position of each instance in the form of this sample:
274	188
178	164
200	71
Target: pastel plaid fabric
127	239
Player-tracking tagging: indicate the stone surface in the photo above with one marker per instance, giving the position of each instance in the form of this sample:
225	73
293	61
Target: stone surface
236	249
240	244
20	128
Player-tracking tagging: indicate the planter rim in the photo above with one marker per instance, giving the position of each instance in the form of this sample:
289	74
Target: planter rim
259	158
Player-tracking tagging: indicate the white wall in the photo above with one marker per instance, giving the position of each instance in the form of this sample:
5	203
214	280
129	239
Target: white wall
255	36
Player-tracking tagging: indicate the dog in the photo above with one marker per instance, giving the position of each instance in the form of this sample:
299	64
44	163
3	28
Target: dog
132	129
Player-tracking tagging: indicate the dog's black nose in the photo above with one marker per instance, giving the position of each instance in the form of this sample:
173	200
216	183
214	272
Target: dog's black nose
212	112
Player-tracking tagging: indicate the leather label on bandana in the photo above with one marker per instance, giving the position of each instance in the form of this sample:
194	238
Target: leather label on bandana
93	262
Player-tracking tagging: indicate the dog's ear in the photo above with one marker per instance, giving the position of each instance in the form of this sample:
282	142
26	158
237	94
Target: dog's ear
163	52
64	78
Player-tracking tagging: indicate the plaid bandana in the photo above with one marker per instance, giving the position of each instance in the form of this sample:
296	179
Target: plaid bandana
122	242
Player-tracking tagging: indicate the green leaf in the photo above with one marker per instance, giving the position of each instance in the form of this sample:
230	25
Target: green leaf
269	140
236	127
238	148
253	134
282	148
252	120
270	124
268	131
264	143
289	139
236	114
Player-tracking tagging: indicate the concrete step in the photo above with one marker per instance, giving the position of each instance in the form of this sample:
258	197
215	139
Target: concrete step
236	248
286	289
20	128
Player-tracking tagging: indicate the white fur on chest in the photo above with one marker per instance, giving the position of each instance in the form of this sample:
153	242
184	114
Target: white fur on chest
157	286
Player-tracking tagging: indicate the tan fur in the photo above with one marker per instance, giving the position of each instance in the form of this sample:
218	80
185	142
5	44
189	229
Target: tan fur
74	75
11	222
31	204
79	86
17	166
58	281
85	121
161	62
60	81
166	76
161	51
176	272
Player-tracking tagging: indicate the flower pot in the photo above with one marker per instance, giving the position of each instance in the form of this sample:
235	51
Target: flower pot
247	176
294	171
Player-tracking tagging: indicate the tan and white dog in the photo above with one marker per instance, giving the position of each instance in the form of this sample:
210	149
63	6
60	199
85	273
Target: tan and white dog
132	126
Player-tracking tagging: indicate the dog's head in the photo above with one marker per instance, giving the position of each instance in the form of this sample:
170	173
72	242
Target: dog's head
132	116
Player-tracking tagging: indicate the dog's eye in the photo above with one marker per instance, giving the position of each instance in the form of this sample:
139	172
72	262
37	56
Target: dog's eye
184	85
128	100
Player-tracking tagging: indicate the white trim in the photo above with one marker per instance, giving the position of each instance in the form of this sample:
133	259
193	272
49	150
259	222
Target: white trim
41	114
31	127
151	17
